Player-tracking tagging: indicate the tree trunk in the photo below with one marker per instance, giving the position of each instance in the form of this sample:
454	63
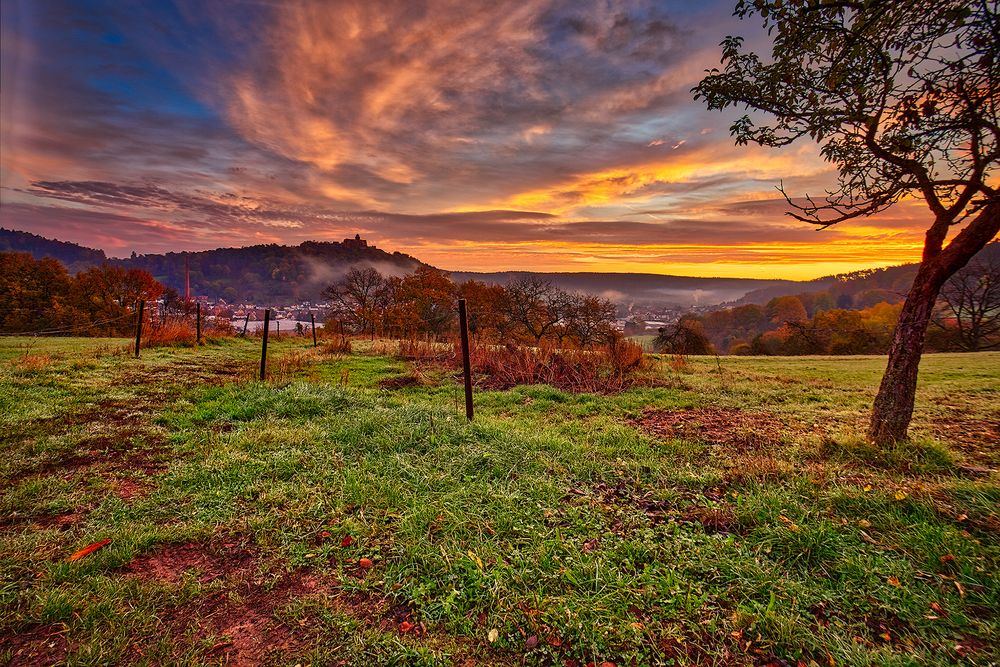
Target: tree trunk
893	406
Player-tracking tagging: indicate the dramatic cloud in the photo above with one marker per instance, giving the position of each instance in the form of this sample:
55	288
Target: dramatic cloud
550	134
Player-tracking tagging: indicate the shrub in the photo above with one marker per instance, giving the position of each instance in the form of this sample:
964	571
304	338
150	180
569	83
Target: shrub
172	333
612	369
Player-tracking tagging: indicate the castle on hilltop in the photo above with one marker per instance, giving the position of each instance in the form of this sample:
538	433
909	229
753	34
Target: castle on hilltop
357	243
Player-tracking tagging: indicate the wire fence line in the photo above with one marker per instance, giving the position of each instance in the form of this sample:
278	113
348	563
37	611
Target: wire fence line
73	329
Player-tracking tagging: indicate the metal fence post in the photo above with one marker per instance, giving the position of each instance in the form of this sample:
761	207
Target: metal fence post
263	346
138	326
312	318
463	324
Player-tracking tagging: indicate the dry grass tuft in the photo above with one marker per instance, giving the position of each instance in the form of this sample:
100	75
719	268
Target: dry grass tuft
32	362
338	345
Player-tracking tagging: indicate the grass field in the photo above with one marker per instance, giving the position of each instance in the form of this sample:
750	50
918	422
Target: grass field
733	515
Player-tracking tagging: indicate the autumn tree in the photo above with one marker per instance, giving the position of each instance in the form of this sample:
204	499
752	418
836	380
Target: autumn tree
424	302
35	294
41	296
108	294
784	309
489	310
904	100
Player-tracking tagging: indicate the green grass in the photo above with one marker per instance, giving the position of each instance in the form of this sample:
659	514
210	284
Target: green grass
554	525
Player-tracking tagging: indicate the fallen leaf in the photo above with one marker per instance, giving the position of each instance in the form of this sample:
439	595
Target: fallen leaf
531	643
475	559
900	495
589	545
946	559
893	581
89	549
961	591
789	523
347	541
365	563
886	636
864	523
406	626
493	635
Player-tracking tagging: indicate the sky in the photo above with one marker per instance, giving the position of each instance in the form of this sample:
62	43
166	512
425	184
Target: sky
547	135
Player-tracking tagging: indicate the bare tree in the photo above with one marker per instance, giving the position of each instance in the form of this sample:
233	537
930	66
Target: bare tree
969	303
537	305
588	319
904	98
356	297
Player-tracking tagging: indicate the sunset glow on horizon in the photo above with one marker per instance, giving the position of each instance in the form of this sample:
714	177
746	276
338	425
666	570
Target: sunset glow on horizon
540	135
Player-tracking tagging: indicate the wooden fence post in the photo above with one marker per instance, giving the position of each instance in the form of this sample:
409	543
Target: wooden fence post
246	322
138	326
463	325
312	318
263	346
197	321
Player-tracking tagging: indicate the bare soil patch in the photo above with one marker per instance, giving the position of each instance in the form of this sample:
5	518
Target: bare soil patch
192	372
220	558
707	508
60	521
241	621
742	430
112	454
976	437
36	645
131	489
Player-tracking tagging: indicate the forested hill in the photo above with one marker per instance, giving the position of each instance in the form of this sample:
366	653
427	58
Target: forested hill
269	273
74	257
259	274
872	285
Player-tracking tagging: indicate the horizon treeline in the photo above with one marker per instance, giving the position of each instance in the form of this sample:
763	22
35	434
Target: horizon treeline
965	319
42	297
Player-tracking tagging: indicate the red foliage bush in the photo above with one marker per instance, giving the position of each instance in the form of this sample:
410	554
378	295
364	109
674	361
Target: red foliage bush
610	369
